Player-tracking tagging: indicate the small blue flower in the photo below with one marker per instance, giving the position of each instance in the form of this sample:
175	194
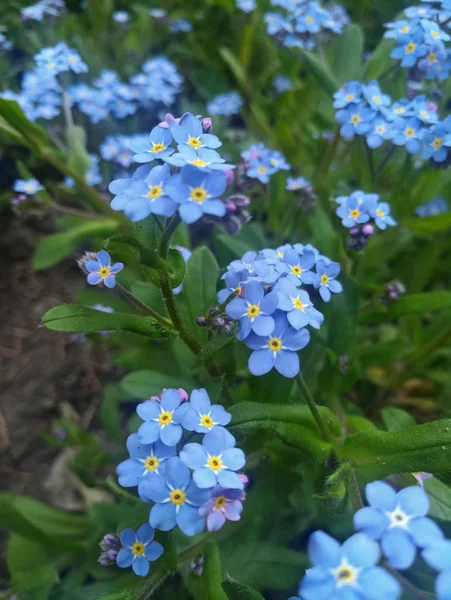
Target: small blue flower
354	119
162	419
203	158
246	5
398	520
380	131
215	461
157	146
433	33
277	350
380	211
177	499
27	186
233	280
296	303
121	16
146	460
188	132
411	48
434	143
201	416
374	96
138	550
350	93
101	270
261	170
225	104
282	84
253	310
297	266
325	279
354	209
224	504
408	133
196	192
346	571
433	207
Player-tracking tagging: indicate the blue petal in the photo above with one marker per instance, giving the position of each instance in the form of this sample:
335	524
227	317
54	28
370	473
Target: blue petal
170	399
376	583
438	555
220	415
94	278
200	401
287	363
253	292
145	533
372	521
124	558
323	550
162	516
110	281
443	586
229	479
215	442
381	495
129	471
361	551
148	410
233	458
195	495
177	473
193	455
398	548
189	520
92	265
153	551
214	207
155	488
190	420
190	212
261	362
171	434
141	566
149	432
104	258
127	537
318	584
414	501
424	531
204	477
263	325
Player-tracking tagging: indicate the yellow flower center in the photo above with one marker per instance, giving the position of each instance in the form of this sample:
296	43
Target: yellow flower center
198	162
409	132
354	213
309	20
400	110
104	271
298	304
377	99
206	421
410	48
380	129
432	57
275	344
194	142
296	270
138	549
274	162
238	289
29	187
198	194
177	497
155	191
165	418
215	463
380	213
405	29
158	147
345	575
262	169
220	501
349	97
437	143
151	463
435	35
355	119
253	310
324	279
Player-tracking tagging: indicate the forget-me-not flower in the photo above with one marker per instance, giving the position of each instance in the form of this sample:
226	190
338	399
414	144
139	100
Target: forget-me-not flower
253	310
138	550
325	281
188	132
201	416
296	303
157	146
224	505
101	270
162	419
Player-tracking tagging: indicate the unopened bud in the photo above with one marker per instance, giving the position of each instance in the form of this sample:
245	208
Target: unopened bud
201	321
207	124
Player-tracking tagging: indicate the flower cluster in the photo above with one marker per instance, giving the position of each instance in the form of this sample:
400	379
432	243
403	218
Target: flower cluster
271	305
42	9
303	21
366	110
193	191
225	104
27	186
392	291
58	59
359	208
420	45
191	485
433	207
116	148
395	527
246	5
262	162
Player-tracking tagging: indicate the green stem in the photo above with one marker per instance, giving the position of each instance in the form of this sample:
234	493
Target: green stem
369	156
354	488
144	307
413	592
312	406
385	160
167	235
74	212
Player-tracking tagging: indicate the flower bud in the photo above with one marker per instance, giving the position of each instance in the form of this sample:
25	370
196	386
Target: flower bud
207	125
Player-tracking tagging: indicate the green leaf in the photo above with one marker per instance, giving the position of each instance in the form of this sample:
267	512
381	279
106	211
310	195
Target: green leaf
78	158
208	585
427	226
235	66
348	53
293	424
53	248
420	448
237	591
14	122
440	497
419	303
143	384
82	319
199	289
41	523
379	60
396	419
321	72
341	317
217	344
30	564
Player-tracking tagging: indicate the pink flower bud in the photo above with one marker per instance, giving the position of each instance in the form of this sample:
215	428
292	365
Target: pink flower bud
183	395
368	229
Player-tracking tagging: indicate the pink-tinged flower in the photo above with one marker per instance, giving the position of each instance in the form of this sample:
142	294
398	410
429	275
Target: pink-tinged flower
183	395
224	505
420	476
244	478
101	270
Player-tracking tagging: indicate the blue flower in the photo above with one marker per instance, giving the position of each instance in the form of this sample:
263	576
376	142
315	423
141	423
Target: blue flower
203	158
350	93
260	169
433	207
146	461
325	279
380	211
282	84
188	132
139	198
374	96
354	119
233	280
121	16
157	146
27	186
398	520
346	571
380	131
433	33
162	419
138	550
215	461
177	499
225	104
224	504
277	350
246	5
354	209
201	416
296	303
435	65
408	133
101	270
434	141
253	310
411	48
297	266
197	192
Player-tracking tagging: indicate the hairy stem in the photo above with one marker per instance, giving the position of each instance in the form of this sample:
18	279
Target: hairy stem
167	235
144	307
312	406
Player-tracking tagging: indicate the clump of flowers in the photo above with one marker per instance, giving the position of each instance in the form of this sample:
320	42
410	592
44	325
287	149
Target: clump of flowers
433	207
262	162
227	104
192	485
392	291
359	208
272	306
42	9
303	21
